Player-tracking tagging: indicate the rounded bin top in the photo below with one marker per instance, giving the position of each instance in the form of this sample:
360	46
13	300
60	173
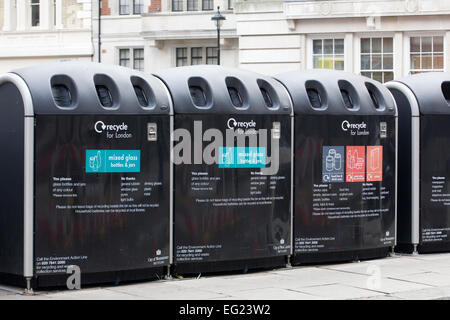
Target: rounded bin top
208	89
93	88
336	93
432	91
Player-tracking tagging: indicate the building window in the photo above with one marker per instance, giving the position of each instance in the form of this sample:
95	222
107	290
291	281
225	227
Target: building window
138	6
35	14
124	6
328	54
207	4
211	55
426	54
196	56
124	57
181	57
177	5
136	55
138	59
192	5
377	59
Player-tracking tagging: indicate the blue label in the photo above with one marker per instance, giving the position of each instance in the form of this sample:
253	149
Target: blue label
103	161
333	164
242	157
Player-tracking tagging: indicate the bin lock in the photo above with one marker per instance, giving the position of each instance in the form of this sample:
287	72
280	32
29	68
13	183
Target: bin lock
276	130
383	129
152	131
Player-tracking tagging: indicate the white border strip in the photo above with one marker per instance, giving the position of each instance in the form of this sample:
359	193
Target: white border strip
415	158
171	175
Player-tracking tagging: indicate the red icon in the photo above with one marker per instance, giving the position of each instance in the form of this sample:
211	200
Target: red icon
355	163
374	163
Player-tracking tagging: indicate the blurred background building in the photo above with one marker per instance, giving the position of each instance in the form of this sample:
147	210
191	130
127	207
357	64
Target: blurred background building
40	31
382	39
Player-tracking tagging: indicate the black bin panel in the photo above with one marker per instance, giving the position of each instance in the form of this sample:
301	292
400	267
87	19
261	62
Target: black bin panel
424	99
228	216
344	166
101	173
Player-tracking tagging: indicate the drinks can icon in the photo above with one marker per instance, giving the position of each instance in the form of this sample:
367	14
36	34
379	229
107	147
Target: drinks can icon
329	163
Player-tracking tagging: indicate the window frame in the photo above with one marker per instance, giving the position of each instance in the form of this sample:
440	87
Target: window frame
180	3
131	57
140	5
34	6
407	53
185	58
140	59
192	57
210	2
194	4
124	59
207	57
121	5
310	50
383	71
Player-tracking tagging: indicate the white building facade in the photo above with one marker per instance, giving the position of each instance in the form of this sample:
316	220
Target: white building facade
153	35
42	31
382	39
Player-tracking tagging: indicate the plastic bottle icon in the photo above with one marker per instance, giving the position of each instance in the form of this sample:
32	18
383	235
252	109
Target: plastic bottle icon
375	159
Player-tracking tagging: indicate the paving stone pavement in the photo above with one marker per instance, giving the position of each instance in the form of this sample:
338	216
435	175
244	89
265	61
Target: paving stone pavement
393	278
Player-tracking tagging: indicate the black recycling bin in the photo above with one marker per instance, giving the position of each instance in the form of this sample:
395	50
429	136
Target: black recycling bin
423	102
86	181
344	166
232	169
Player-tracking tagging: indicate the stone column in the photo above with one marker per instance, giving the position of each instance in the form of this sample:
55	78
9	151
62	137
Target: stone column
7	10
44	14
399	70
59	14
22	15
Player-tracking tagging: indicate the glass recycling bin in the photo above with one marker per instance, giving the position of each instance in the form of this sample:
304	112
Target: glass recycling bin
87	179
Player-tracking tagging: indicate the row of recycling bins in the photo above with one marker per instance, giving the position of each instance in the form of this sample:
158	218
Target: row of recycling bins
211	169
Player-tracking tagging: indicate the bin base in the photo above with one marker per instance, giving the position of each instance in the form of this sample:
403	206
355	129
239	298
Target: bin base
341	256
229	266
13	280
87	279
423	248
434	247
404	248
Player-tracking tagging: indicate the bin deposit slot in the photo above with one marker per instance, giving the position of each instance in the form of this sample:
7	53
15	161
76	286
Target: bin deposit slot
347	99
446	91
198	96
235	97
61	95
267	98
104	96
314	98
